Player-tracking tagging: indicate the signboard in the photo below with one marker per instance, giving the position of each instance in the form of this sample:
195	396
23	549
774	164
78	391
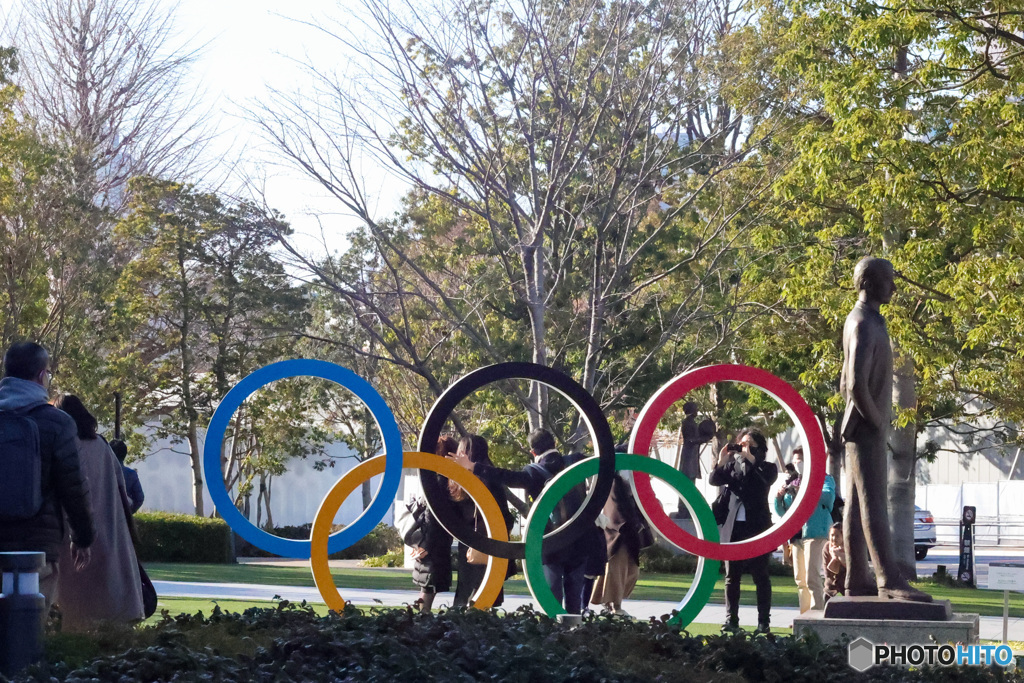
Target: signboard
966	570
1006	576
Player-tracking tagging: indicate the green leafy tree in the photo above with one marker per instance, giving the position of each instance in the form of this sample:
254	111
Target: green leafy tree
903	137
199	305
54	273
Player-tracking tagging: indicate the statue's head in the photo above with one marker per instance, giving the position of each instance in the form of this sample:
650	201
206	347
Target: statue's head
875	278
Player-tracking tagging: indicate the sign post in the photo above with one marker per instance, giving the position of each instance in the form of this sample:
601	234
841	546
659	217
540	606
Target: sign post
1006	576
966	571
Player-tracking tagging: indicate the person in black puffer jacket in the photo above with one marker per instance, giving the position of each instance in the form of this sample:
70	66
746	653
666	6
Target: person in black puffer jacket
431	544
431	554
23	391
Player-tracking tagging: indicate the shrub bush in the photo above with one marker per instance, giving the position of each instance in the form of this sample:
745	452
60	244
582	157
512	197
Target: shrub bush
392	558
290	643
658	559
382	540
175	537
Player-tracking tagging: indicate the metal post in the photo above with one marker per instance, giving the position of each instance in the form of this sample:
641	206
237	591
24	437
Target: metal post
1006	615
22	611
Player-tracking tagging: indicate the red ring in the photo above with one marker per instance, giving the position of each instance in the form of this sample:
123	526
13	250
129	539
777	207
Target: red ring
799	412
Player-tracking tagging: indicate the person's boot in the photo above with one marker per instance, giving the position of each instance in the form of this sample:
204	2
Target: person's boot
731	625
763	627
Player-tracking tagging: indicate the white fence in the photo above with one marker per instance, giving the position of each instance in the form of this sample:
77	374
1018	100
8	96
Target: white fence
1000	510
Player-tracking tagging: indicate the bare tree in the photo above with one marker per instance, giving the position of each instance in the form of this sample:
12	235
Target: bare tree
576	150
106	79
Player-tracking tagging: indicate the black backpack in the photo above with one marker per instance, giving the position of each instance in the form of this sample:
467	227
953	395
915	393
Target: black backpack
21	485
570	502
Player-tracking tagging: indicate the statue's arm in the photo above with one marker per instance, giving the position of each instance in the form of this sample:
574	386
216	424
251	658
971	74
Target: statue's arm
862	349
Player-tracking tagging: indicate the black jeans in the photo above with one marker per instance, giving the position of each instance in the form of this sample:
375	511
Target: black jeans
757	567
566	579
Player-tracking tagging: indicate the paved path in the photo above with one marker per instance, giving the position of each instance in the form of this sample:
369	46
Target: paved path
991	627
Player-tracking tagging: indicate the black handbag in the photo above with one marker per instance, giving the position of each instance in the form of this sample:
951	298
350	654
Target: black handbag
149	596
644	533
720	506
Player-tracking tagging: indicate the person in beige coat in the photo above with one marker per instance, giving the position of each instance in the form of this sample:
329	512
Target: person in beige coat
109	588
622	536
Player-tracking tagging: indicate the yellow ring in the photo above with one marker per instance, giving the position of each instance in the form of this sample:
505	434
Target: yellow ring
494	576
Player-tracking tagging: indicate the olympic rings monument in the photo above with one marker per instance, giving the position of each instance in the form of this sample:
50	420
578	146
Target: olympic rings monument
705	544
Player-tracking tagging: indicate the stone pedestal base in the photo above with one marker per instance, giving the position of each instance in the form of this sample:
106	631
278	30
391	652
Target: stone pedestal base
960	628
841	607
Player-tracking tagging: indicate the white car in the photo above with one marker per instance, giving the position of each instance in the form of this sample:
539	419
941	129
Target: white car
924	532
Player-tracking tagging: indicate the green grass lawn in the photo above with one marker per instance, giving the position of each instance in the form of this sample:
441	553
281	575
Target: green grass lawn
652	586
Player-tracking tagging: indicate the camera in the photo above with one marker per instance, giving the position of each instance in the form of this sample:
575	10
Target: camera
734	448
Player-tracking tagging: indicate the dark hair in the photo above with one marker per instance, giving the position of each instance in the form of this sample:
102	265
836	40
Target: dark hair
475	447
540	440
838	526
690	408
446	445
73	406
120	449
25	360
760	450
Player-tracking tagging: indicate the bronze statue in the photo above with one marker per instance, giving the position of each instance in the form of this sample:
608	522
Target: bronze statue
866	384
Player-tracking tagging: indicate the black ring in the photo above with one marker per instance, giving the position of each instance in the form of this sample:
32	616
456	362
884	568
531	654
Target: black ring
442	506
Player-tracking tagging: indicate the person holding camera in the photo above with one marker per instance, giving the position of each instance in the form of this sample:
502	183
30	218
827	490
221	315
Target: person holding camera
742	468
806	547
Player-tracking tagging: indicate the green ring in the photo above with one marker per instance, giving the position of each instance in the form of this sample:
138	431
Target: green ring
707	570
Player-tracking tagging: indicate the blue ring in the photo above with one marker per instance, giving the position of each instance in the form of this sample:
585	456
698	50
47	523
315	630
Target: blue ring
303	367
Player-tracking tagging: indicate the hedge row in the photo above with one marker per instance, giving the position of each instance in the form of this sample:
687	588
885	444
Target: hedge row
175	537
382	540
658	559
293	644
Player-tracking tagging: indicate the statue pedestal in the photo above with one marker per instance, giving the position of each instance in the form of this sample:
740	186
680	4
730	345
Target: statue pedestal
841	607
893	622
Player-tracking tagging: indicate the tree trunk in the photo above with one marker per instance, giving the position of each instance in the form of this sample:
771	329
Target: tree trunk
266	486
834	449
902	441
534	270
197	466
721	436
367	493
369	449
903	457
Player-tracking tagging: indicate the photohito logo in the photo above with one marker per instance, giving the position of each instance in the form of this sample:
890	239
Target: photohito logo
864	654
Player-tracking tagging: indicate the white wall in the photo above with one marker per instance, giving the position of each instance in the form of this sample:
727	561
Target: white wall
166	478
